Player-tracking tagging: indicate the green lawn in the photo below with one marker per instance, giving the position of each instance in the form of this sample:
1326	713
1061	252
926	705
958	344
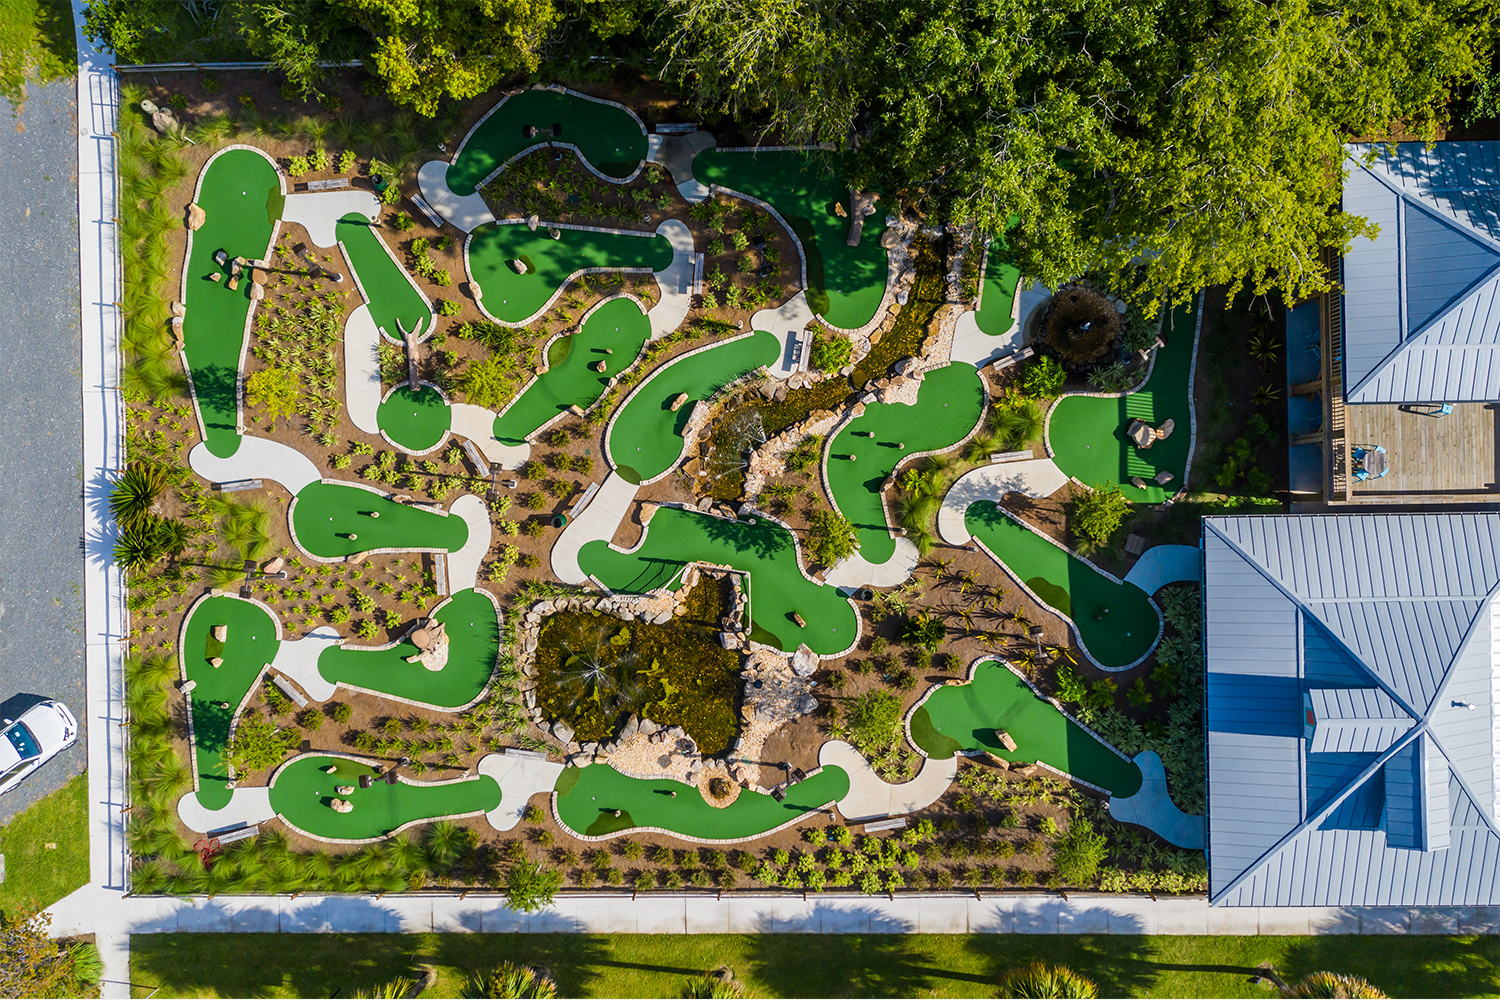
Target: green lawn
302	793
778	590
415	420
608	137
249	644
589	796
390	290
646	438
37	876
801	965
948	407
1115	621
1000	280
618	326
36	43
844	284
1087	433
512	297
966	717
473	643
326	513
238	196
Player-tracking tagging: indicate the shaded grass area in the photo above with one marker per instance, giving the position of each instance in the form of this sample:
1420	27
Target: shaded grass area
36	43
608	137
391	292
302	792
473	644
416	420
966	716
327	513
510	296
589	806
235	192
617	326
249	644
37	876
1000	280
948	406
801	965
844	283
646	438
1088	433
1115	621
778	590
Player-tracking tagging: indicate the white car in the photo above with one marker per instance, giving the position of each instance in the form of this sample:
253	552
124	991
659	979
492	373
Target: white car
42	732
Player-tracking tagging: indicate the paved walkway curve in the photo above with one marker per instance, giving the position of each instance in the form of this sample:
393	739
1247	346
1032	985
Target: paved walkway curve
596	522
520	776
1153	808
256	458
1037	478
1164	564
872	797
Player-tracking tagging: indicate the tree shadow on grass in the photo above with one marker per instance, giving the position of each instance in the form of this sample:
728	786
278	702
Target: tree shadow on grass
1119	964
1402	964
572	960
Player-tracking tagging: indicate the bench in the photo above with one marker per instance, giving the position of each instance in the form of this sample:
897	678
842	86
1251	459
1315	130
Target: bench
328	185
235	833
886	824
476	457
697	274
676	128
440	573
291	692
1011	359
1010	456
517	752
583	501
238	485
427	210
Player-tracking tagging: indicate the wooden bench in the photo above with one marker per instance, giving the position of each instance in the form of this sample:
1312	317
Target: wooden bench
517	752
239	485
1011	359
583	501
235	833
477	457
427	210
440	573
676	128
333	184
886	824
291	692
1010	456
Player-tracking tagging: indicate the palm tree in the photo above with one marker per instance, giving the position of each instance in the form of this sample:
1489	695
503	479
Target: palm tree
1040	980
510	981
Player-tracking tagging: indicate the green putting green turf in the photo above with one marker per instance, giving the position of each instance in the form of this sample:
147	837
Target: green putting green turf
1087	433
237	193
391	292
1000	280
473	643
588	806
249	644
948	406
1129	624
301	794
619	326
778	589
415	420
966	716
327	512
513	297
607	136
844	283
646	438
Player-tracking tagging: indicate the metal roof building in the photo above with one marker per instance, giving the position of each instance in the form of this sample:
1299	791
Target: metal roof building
1421	303
1352	690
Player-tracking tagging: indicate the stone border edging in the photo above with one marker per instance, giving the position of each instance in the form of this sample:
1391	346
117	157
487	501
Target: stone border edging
630	831
292	529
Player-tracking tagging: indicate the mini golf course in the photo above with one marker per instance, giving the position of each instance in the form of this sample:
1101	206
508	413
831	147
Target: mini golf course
618	326
948	406
301	792
389	289
646	437
844	284
1088	433
587	798
999	292
324	515
764	549
240	193
416	420
249	644
965	717
609	137
473	630
512	297
1116	622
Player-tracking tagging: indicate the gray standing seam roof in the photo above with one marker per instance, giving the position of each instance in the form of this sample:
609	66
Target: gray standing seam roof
1351	744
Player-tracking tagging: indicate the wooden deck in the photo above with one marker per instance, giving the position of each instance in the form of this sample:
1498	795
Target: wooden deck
1452	456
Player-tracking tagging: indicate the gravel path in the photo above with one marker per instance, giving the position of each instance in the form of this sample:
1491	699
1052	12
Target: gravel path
41	507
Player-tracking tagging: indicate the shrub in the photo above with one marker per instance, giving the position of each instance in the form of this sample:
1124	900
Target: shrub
830	537
1043	377
530	886
403	222
1079	852
831	352
346	161
448	307
873	721
311	720
256	745
1098	513
1042	980
342	713
924	630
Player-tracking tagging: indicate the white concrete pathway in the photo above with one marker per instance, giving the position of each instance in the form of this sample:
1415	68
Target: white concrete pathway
676	153
362	391
520	778
478	425
1164	564
872	797
973	345
320	211
1036	478
466	212
1154	809
675	281
599	521
246	805
298	659
256	458
853	572
463	565
788	323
